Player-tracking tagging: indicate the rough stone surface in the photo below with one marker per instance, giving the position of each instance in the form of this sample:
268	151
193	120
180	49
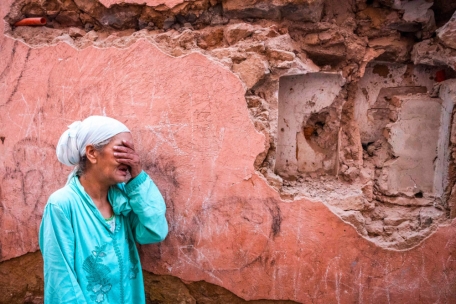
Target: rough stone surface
420	12
236	32
302	10
447	33
430	53
168	3
251	70
395	48
210	39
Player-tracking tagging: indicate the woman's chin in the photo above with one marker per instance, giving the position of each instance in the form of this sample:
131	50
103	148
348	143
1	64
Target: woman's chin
122	176
117	178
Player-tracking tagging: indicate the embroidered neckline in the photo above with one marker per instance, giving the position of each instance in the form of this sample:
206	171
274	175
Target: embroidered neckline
109	219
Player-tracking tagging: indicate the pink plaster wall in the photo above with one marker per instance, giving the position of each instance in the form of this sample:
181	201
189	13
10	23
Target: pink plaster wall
227	226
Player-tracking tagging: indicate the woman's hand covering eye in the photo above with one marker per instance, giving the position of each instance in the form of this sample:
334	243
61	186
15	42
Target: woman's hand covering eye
127	155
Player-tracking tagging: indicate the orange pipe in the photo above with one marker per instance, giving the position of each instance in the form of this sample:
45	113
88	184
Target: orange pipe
31	21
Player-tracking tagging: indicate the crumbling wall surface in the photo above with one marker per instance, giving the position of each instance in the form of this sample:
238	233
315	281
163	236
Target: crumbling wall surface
305	149
296	140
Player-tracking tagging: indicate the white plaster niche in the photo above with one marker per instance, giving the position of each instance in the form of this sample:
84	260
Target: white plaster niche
380	82
409	130
447	134
413	139
308	124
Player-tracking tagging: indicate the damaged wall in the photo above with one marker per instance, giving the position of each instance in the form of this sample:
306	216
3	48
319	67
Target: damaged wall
308	121
305	149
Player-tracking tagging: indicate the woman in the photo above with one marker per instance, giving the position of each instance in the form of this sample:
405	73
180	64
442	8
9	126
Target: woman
90	226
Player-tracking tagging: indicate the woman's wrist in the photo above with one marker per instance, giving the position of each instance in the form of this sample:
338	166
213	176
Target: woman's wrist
135	172
133	183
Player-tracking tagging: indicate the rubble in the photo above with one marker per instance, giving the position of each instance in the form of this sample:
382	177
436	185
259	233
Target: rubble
431	53
251	70
446	33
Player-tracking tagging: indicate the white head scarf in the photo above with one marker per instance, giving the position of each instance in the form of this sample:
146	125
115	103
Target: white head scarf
92	130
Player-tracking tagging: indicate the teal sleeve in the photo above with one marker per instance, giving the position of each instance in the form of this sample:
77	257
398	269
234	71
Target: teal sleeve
148	220
56	241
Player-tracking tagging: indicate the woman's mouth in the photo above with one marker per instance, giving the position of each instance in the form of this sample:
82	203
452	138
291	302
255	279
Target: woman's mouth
123	169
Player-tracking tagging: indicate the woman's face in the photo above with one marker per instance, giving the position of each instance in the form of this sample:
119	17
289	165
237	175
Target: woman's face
107	166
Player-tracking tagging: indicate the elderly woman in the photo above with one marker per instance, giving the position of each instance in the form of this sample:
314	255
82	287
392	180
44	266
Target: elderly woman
90	226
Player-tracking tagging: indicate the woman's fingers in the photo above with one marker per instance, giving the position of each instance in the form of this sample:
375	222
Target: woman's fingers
130	157
122	149
126	161
127	155
127	147
128	144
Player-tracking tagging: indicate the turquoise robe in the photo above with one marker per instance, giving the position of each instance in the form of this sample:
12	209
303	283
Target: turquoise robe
84	262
